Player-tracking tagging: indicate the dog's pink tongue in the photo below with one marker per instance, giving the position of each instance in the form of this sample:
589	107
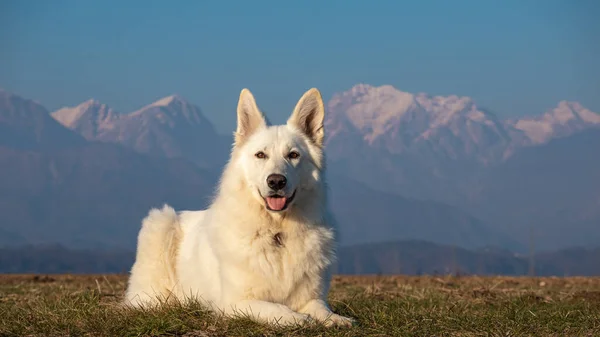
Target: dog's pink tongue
276	204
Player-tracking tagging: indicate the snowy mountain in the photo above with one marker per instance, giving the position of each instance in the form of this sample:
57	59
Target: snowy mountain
91	119
170	127
432	146
533	171
564	120
413	144
453	127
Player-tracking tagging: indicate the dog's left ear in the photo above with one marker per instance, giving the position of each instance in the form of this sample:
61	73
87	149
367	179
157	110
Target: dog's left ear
308	116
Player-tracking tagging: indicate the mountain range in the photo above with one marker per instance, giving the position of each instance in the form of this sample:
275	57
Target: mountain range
57	187
170	127
539	172
401	166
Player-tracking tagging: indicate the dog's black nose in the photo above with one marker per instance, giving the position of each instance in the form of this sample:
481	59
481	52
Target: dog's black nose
276	181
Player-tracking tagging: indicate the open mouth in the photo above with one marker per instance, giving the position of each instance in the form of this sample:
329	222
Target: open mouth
279	203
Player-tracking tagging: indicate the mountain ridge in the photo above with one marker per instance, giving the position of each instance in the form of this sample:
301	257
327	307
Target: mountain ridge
452	168
170	127
96	194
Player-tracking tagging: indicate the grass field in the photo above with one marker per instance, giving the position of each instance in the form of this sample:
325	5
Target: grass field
60	305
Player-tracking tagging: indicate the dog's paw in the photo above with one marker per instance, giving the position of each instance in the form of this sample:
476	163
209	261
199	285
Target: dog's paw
335	320
295	319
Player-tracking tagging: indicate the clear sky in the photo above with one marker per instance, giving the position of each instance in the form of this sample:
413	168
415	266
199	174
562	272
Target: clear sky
513	56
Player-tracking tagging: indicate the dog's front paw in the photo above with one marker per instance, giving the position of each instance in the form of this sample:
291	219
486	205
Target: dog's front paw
294	319
338	320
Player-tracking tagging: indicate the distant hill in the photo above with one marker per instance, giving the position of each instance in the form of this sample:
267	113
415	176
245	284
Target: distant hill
56	259
366	216
554	188
419	257
401	257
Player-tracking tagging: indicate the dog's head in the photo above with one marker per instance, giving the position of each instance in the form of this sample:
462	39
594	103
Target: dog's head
281	164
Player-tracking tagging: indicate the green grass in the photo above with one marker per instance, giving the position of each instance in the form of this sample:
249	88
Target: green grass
60	305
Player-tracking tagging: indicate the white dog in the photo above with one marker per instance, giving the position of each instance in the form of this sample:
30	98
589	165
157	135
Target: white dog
265	245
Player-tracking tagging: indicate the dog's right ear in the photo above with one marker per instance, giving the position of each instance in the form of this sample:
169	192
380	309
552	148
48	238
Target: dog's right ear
249	117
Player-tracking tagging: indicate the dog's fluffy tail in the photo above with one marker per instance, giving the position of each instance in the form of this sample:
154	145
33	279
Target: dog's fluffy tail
153	278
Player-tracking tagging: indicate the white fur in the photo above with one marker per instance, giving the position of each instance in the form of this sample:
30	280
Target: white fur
227	255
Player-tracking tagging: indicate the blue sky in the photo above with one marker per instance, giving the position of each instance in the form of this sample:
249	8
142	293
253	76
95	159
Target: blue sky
513	56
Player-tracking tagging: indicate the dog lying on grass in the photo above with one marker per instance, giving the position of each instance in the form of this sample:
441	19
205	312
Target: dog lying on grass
265	245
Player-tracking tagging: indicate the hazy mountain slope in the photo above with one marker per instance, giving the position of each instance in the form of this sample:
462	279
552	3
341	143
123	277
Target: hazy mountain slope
366	215
25	124
56	187
554	188
94	195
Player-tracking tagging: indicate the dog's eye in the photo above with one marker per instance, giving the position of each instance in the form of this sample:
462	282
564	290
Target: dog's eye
260	155
294	155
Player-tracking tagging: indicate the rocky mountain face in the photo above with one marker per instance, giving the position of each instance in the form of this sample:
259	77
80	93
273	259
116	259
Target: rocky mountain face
432	146
170	127
415	145
91	119
449	127
416	124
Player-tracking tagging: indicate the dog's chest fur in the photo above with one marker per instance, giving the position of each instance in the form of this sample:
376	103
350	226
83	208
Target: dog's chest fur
289	259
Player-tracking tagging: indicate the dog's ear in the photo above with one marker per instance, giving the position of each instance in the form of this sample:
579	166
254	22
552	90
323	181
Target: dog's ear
249	117
308	116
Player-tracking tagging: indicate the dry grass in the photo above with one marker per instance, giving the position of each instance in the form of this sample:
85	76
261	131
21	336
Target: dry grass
60	305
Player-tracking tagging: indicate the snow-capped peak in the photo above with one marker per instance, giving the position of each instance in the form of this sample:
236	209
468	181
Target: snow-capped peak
401	121
89	117
566	111
172	103
172	110
372	108
562	120
169	100
90	102
91	109
376	110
